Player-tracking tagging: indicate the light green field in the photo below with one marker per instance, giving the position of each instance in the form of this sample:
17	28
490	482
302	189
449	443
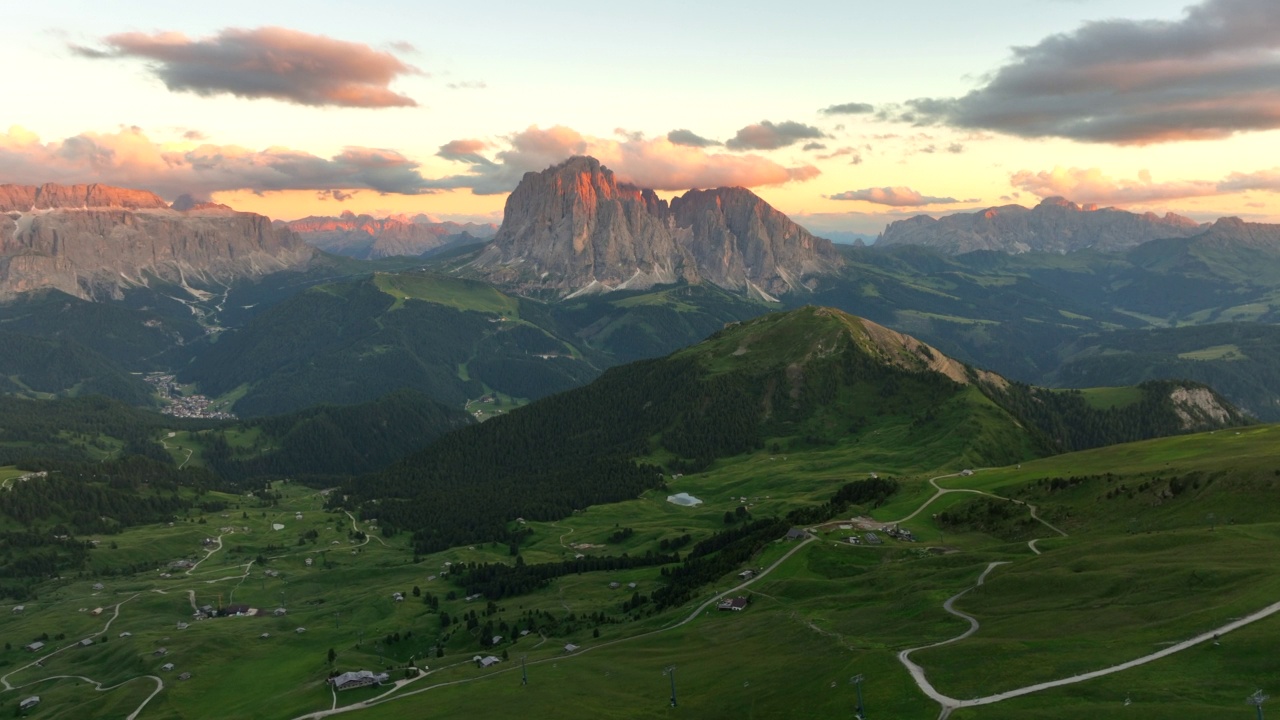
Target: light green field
453	292
1217	352
501	403
1106	398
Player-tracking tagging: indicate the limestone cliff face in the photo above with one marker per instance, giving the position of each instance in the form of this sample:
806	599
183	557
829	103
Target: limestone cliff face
574	229
1055	225
739	241
367	237
92	241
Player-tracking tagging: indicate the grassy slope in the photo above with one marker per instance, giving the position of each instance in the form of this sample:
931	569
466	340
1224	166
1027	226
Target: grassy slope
1102	595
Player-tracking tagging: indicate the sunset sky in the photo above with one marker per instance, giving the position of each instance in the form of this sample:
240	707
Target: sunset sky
846	115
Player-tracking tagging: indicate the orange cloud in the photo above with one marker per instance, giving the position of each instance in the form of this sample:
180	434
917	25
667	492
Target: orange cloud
1090	185
129	158
656	163
268	62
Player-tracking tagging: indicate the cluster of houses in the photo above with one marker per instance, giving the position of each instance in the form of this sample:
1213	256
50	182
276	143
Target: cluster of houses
240	610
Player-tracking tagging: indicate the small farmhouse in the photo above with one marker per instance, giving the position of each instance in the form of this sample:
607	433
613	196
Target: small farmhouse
34	647
357	679
29	703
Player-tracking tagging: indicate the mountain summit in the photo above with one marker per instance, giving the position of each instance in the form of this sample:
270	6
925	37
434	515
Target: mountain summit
573	229
1055	225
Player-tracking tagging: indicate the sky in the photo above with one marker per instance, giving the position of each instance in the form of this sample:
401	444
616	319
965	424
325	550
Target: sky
845	115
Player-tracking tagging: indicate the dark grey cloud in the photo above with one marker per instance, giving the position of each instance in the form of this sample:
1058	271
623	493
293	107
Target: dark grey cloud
1211	74
893	197
269	62
689	138
814	146
853	108
767	135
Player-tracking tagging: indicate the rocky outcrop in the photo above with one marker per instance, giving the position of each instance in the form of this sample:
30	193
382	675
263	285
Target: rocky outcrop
1199	408
573	229
92	241
367	237
1055	225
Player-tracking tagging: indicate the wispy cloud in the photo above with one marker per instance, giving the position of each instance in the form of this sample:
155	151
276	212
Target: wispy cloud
893	197
268	62
1211	74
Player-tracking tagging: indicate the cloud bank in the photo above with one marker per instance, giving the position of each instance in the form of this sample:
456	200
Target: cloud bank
1214	73
657	163
268	62
1091	185
129	158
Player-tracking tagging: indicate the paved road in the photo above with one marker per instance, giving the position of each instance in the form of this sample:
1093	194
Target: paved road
949	703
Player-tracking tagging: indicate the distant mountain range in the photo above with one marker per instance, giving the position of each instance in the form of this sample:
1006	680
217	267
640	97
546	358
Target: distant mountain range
92	241
1055	225
573	229
365	237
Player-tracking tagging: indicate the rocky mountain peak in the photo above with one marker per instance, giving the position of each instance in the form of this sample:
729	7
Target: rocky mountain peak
573	228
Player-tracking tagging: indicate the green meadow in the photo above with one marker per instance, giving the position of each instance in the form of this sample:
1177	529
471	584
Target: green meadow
1141	567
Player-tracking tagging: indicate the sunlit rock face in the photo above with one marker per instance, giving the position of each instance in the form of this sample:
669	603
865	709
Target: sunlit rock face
574	229
92	241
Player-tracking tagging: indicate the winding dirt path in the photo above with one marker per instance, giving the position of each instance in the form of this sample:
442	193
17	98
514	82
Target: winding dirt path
97	685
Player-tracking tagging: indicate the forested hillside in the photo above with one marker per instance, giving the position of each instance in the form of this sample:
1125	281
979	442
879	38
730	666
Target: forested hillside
809	379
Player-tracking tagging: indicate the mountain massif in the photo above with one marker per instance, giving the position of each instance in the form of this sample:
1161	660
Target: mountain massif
573	229
1055	225
366	237
92	241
